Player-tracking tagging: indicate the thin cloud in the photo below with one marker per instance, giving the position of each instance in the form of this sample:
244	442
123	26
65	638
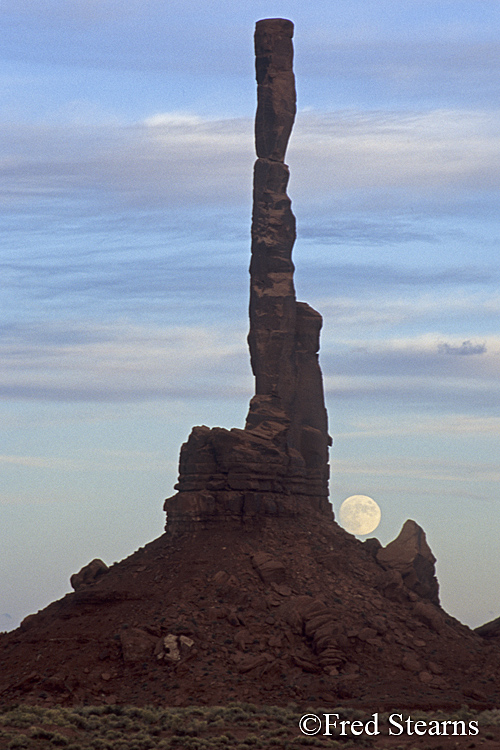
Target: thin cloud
411	372
348	42
394	279
102	461
408	392
420	468
419	151
361	230
139	165
386	311
121	362
466	348
173	159
417	358
124	362
459	70
422	425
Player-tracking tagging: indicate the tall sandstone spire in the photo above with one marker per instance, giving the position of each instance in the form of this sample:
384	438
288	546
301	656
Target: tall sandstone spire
284	333
277	465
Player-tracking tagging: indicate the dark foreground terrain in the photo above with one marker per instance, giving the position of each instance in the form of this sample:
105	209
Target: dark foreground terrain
238	725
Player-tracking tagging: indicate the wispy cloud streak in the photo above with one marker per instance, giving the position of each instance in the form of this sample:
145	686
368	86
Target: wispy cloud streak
120	362
123	361
173	158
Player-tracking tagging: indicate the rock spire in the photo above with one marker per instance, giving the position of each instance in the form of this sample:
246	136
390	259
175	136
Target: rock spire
284	333
277	465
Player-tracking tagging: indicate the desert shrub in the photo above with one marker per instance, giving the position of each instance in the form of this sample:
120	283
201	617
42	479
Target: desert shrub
281	715
197	711
252	741
59	740
236	713
56	716
99	744
174	721
18	717
119	722
114	710
489	718
189	728
21	741
190	743
39	733
465	714
149	715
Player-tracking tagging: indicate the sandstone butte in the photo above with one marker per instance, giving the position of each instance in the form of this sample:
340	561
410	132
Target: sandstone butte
253	592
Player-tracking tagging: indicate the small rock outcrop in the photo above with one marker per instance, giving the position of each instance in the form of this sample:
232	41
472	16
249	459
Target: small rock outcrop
410	556
278	464
490	629
88	574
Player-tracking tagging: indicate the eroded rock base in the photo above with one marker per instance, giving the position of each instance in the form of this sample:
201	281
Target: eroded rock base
242	477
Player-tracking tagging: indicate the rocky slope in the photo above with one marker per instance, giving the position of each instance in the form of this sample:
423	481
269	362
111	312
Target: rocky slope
286	610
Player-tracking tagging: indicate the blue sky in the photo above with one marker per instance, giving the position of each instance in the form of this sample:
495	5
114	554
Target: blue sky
126	152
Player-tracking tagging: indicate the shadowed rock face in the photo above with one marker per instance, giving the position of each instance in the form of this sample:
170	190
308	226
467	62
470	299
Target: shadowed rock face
277	465
276	98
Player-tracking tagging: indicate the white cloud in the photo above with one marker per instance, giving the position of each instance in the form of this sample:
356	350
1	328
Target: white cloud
173	120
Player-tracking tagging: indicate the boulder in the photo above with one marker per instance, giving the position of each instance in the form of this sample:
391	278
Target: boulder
269	569
173	647
137	645
88	574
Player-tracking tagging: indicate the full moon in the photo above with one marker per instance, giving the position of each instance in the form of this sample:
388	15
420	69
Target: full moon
359	514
